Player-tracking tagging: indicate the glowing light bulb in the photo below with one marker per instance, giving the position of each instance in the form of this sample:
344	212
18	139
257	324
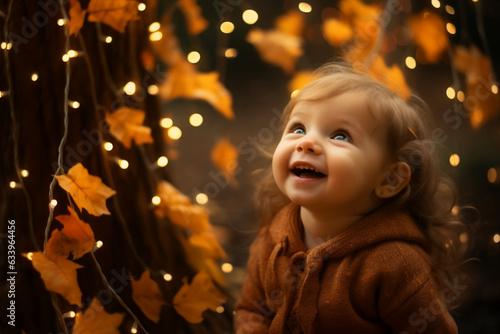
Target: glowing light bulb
167	277
108	39
231	53
34	77
250	16
195	120
450	10
436	3
53	203
133	330
25	173
141	7
464	237
460	96
202	198
72	314
492	175
3	45
450	93
220	309
162	161
494	89
304	7
193	57
99	244
156	200
129	88
153	89
294	93
30	256
72	53
410	62
108	146
65	58
454	159
450	28
174	133
496	238
3	93
166	122
227	27
13	184
155	26
61	22
74	104
156	36
123	163
227	267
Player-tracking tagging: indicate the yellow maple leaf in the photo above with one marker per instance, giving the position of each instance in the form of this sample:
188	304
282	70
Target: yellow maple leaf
115	13
195	22
337	32
209	244
125	124
147	296
77	17
59	276
291	23
299	80
429	33
95	320
392	77
224	155
87	190
76	237
192	299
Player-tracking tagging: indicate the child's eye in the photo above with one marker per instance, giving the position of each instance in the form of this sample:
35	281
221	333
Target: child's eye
341	136
296	128
299	131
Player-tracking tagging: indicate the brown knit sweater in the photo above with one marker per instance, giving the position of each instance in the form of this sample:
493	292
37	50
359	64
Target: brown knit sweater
375	277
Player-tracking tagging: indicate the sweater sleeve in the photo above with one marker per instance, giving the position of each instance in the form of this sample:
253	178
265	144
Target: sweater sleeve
252	312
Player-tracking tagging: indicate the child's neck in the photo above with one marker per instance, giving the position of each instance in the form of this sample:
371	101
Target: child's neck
320	227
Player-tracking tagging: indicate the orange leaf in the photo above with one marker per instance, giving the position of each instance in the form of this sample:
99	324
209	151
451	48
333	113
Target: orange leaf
76	237
225	157
58	276
209	244
147	296
429	33
77	17
126	125
192	299
291	23
95	320
115	13
299	80
392	77
337	32
199	258
196	23
87	190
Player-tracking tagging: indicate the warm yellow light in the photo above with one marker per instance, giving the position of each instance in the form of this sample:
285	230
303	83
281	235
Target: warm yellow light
227	267
231	53
108	39
34	77
410	62
3	45
25	173
460	96
450	10
3	93
202	198
174	132
123	164
492	175
475	0
304	7
108	146
155	26
30	256
99	243
250	16
61	22
455	210
13	184
227	27
133	330
53	203
454	159
162	161
129	88
72	53
156	200
494	89
74	104
65	57
436	3
153	89
450	27
450	93
156	36
220	309
167	277
496	238
195	120
72	314
294	93
141	7
166	122
193	57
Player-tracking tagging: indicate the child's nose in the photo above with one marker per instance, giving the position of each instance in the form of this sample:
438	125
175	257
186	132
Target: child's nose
308	144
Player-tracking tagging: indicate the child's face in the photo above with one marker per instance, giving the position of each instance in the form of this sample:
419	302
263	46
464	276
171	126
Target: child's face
332	155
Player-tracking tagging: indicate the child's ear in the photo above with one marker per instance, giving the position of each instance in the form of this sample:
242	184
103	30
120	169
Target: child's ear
396	177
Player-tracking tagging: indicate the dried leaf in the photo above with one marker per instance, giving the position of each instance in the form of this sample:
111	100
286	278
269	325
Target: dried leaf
77	17
192	299
392	77
337	32
95	320
299	80
58	276
225	157
87	190
147	296
199	259
115	13
429	33
126	125
291	23
209	244
195	21
76	237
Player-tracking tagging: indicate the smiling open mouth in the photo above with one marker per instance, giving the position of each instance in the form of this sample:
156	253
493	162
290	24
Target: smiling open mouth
307	172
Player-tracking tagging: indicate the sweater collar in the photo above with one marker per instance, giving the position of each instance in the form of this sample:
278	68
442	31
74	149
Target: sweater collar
379	226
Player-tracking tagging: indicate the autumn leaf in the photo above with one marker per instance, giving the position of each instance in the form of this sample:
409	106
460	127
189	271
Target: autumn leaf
291	23
76	237
202	260
195	21
95	320
87	190
299	80
126	125
209	244
392	77
147	296
58	276
167	48
225	157
77	17
429	33
337	32
115	13
192	299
